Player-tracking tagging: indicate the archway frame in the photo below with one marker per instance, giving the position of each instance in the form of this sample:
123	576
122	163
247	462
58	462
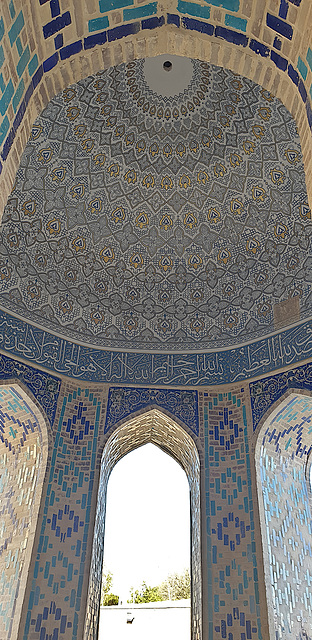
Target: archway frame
22	589
164	39
158	428
258	442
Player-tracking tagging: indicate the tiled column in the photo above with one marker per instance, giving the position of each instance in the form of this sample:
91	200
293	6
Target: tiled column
235	607
55	601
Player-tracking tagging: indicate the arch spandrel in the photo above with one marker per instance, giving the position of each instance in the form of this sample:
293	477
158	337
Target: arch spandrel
150	427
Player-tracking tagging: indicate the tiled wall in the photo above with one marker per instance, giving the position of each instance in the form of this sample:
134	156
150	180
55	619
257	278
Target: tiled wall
234	605
23	455
41	45
285	497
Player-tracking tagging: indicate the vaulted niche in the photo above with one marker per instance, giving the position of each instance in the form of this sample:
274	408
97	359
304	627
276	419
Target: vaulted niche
23	459
156	428
283	447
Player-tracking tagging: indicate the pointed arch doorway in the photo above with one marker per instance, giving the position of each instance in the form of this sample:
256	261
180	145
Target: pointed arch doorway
159	429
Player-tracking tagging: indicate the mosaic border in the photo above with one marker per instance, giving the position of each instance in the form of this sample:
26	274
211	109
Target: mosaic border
67	358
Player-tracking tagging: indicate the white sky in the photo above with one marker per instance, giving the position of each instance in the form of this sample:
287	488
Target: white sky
147	532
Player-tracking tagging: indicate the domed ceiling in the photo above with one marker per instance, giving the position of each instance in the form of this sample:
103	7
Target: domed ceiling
158	207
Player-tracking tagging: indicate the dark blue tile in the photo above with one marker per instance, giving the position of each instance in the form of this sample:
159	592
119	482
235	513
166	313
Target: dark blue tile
50	62
280	62
97	38
71	49
309	112
280	26
283	10
37	76
302	90
58	41
57	24
198	25
55	8
124	30
4	154
231	36
277	44
173	19
28	93
259	48
19	116
152	23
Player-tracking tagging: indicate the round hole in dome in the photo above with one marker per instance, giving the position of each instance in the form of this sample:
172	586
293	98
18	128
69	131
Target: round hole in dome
167	65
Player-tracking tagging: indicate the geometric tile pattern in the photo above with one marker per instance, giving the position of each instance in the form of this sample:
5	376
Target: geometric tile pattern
283	446
233	602
158	222
23	454
123	402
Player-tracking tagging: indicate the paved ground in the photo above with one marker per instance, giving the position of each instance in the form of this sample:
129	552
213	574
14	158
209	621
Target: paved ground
150	622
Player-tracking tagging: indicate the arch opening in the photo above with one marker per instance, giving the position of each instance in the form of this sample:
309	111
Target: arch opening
147	546
23	460
282	451
155	428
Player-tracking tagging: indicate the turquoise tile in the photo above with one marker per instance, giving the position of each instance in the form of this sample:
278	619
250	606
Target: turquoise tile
140	12
109	5
230	5
16	28
24	59
98	24
6	98
18	95
237	23
193	9
1	29
303	69
33	65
